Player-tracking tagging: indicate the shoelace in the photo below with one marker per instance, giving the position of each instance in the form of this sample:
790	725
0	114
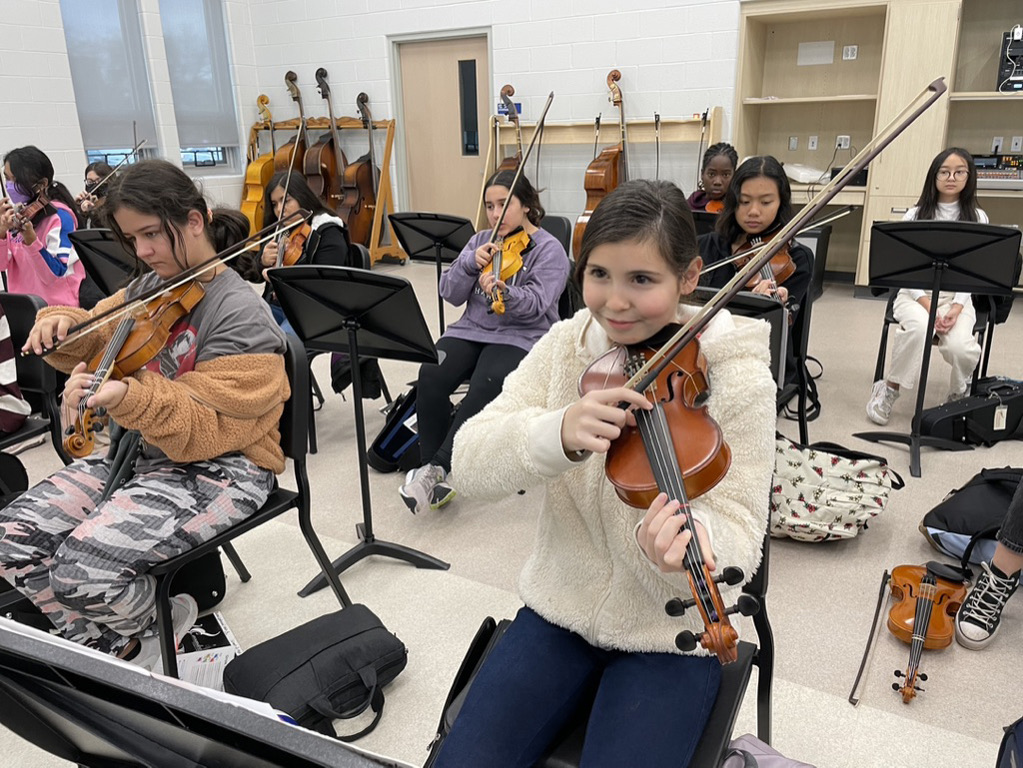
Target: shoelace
989	596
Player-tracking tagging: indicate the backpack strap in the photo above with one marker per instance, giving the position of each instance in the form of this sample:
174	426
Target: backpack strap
987	533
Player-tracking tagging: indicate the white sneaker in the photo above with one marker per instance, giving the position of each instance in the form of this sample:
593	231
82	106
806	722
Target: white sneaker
417	493
979	615
184	612
882	397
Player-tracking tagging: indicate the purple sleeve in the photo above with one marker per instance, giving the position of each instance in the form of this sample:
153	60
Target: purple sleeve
459	280
541	284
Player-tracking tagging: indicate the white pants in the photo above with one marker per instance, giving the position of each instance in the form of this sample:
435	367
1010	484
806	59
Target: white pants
958	346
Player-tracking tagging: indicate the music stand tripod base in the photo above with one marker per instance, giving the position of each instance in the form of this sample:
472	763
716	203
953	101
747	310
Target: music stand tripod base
338	309
915	443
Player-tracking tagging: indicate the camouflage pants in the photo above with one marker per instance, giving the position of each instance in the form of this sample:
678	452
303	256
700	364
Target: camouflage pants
86	568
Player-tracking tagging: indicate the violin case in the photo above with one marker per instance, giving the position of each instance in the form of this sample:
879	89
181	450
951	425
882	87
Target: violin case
995	413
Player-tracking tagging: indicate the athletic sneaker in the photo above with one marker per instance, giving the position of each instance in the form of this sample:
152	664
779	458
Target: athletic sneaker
184	612
882	397
978	617
417	493
443	492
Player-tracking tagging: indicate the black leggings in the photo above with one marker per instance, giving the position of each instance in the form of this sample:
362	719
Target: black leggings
484	365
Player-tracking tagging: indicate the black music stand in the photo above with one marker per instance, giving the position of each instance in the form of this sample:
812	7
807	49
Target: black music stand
110	265
340	309
434	236
95	711
942	256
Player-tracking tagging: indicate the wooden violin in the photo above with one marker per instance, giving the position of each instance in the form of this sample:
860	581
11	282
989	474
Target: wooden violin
325	163
292	245
259	170
607	170
779	269
293	151
511	163
138	338
506	264
24	213
359	186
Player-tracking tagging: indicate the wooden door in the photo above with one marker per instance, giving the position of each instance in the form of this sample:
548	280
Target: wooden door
444	136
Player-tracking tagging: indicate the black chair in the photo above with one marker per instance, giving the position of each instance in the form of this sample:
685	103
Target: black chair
718	731
36	378
817	240
294	441
570	301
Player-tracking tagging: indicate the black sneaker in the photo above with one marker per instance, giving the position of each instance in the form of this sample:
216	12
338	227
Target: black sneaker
978	617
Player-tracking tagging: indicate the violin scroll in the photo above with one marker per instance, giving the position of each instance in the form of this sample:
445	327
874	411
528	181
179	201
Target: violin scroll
612	83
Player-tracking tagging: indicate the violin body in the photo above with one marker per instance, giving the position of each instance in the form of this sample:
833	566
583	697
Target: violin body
320	168
603	174
906	589
781	264
714	206
702	453
293	249
507	263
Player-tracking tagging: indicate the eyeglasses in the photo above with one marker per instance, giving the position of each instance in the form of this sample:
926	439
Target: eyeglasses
958	175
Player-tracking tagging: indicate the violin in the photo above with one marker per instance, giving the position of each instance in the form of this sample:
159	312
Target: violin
359	185
259	170
779	269
24	213
506	263
138	338
511	163
714	206
324	162
293	152
294	244
607	170
679	449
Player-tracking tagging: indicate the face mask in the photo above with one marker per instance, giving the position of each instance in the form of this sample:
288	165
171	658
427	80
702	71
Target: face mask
90	185
15	193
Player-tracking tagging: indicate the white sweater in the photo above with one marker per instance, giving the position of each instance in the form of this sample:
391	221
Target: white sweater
586	572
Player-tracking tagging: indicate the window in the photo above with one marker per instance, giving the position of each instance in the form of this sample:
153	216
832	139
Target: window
109	73
196	42
467	100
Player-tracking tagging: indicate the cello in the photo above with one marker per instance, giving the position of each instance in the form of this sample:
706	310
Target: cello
607	170
512	163
325	162
260	169
294	150
359	185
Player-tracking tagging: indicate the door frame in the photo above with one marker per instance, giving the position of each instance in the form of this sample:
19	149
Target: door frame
401	169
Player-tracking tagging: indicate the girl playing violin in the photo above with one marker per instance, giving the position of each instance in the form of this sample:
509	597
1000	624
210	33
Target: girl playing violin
757	203
716	171
483	346
596	584
35	250
88	203
207	407
949	194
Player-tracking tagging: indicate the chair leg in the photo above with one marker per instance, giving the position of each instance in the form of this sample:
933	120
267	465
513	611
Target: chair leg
232	555
882	353
312	424
383	388
765	674
305	524
314	385
165	625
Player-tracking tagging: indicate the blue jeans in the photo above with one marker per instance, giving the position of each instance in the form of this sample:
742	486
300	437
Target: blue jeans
282	321
650	708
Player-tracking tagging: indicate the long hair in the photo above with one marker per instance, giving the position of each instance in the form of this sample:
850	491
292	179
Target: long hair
927	205
30	166
158	188
298	190
527	195
764	166
643	211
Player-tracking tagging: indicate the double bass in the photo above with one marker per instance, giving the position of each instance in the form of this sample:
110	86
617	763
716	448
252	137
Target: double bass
511	163
359	186
607	170
293	151
260	169
325	162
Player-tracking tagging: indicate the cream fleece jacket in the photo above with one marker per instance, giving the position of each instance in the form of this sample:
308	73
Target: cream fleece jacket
586	572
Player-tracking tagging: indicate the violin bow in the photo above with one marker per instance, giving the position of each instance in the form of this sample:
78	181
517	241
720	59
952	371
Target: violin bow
657	146
80	330
132	153
854	699
289	79
699	146
646	375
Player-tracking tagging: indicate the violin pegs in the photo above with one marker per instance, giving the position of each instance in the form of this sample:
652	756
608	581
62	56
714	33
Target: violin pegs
922	676
677	606
896	687
899	673
918	688
68	431
748	605
730	575
685	641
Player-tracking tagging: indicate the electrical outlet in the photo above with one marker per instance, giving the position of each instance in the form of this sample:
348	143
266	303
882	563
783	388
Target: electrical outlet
850	52
842	142
793	143
812	143
996	145
1017	143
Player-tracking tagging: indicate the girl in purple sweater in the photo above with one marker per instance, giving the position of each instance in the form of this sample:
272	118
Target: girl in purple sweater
482	346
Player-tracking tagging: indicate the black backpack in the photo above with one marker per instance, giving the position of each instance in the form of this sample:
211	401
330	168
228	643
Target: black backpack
1010	754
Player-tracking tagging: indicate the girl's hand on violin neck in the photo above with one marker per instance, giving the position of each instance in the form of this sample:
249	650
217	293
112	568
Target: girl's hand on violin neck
767	288
663	540
592	422
77	385
110	395
485	254
488	281
269	257
42	333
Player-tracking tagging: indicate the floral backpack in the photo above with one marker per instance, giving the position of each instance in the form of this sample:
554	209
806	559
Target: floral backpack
823	491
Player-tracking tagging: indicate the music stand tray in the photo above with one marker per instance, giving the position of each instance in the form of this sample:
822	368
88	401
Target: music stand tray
940	256
93	710
432	236
110	265
362	313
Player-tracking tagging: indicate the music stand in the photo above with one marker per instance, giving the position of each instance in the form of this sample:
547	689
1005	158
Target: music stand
340	309
106	260
435	236
89	708
941	256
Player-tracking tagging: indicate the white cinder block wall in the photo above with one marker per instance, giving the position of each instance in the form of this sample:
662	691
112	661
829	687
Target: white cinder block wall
676	58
